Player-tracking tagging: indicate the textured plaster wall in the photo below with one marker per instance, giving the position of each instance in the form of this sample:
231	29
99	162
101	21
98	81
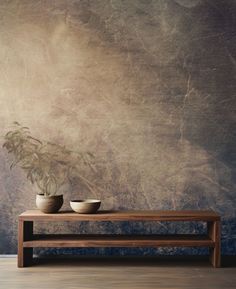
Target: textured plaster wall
148	86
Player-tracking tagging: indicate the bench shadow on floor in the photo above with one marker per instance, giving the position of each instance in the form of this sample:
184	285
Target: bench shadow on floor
164	261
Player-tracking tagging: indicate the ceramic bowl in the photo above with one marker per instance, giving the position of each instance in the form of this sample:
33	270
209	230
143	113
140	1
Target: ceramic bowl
89	206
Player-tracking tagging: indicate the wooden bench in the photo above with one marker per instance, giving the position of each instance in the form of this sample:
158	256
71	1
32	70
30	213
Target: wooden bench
27	240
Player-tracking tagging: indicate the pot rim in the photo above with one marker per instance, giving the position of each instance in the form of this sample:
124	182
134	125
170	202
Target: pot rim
48	197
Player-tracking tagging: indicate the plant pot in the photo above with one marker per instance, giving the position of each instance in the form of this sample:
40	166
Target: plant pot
49	204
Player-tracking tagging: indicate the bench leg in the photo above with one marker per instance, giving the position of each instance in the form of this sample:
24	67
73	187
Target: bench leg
214	234
25	232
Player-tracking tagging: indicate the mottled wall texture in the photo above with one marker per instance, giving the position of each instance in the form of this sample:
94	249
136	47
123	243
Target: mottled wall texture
148	86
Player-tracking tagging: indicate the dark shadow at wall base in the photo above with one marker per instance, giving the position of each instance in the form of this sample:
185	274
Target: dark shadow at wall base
165	261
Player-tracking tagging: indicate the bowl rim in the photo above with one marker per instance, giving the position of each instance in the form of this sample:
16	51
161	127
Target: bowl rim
85	201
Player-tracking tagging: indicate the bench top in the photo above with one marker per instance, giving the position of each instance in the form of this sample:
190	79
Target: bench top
102	215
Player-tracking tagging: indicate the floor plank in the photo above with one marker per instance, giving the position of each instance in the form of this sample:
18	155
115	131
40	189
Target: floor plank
114	273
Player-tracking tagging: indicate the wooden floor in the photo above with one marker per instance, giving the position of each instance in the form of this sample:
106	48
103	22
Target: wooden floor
113	273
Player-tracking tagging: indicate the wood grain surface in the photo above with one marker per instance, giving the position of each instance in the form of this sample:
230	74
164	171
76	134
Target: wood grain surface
117	273
27	240
119	241
188	215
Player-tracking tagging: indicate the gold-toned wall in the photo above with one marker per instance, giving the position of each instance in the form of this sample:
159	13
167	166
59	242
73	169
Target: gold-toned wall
147	86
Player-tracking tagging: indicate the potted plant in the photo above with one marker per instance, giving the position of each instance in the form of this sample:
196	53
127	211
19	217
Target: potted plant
46	164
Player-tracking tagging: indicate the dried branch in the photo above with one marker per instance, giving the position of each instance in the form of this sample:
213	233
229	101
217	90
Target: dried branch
46	164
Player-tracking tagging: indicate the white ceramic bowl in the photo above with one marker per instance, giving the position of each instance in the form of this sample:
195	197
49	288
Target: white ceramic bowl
89	206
